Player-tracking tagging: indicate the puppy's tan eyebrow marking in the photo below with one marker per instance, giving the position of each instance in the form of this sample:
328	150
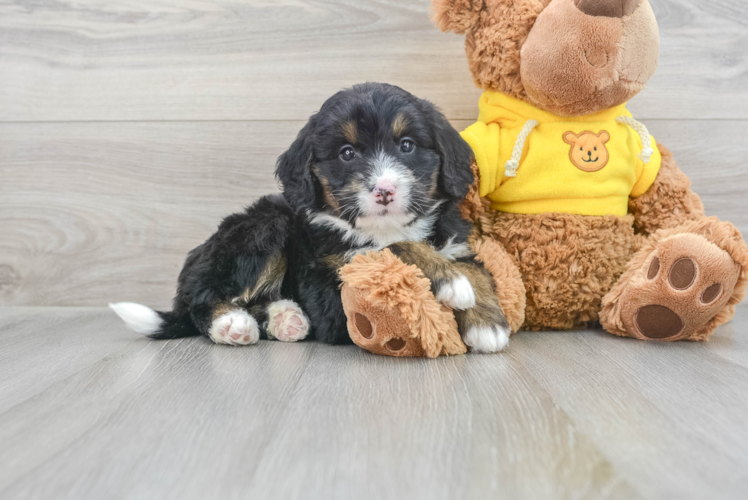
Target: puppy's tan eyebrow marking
350	132
398	126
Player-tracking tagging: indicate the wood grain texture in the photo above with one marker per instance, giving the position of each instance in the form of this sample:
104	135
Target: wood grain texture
259	59
89	210
90	410
129	129
92	213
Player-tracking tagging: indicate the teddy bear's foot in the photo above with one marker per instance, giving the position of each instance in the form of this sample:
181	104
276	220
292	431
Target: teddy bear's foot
686	283
684	288
381	330
387	330
391	310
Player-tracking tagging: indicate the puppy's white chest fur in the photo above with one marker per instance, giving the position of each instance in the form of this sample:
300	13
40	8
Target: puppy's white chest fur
388	229
375	232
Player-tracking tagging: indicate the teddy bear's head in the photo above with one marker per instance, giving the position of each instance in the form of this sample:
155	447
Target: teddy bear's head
568	57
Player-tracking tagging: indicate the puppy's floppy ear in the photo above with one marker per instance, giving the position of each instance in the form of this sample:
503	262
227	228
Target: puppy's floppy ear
459	16
294	169
456	155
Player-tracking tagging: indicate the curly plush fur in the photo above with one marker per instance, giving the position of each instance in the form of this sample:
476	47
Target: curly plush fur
473	206
494	257
568	263
722	234
669	202
382	288
507	278
495	36
577	269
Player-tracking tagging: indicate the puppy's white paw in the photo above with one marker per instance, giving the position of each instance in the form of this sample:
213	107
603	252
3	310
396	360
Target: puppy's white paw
457	294
235	328
487	338
286	321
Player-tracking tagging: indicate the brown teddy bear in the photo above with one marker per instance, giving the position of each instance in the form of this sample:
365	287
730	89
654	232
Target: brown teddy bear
593	219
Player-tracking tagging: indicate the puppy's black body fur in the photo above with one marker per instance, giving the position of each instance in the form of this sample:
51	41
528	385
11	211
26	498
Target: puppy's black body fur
298	232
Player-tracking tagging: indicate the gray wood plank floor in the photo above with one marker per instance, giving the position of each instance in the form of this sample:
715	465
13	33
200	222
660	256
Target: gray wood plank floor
89	410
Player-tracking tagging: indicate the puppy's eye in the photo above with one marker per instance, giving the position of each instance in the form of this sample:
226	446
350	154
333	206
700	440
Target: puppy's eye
347	153
407	146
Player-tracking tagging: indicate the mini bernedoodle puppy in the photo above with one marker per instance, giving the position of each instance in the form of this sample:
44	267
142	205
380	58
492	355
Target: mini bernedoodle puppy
375	168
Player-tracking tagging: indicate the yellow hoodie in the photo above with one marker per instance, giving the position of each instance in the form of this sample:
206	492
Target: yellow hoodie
588	165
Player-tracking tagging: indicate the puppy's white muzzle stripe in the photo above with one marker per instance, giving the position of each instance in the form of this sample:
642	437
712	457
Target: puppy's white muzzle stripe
138	318
386	170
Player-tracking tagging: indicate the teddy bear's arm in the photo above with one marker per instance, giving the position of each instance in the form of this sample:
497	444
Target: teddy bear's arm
669	202
473	206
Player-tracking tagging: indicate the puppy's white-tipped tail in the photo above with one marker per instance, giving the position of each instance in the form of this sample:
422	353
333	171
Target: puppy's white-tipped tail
138	318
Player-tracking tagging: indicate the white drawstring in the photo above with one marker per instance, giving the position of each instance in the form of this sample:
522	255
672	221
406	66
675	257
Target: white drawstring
519	145
640	129
513	164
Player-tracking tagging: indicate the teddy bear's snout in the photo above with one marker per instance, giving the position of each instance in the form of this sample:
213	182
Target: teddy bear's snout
607	8
597	57
582	56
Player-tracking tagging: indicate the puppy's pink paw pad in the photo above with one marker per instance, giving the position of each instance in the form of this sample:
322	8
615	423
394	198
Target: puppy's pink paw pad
287	323
294	325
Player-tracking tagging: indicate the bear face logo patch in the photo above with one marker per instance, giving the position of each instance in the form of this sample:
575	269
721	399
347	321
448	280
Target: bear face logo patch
588	151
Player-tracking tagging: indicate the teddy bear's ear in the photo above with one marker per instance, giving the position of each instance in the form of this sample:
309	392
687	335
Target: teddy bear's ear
570	138
604	136
457	15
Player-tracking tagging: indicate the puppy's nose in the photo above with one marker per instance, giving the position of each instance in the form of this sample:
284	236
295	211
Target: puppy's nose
608	8
384	192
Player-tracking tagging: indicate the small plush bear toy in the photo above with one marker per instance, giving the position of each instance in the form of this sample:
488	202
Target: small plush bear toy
595	221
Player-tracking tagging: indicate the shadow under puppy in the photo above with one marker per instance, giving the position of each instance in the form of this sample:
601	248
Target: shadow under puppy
376	167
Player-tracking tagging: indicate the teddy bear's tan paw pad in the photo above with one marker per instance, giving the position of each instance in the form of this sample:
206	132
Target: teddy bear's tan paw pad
683	285
364	333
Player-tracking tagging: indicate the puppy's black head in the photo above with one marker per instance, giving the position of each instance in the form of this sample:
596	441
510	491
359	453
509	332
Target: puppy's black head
375	151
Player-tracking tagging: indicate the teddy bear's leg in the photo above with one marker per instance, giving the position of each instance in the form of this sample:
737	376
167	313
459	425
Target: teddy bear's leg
567	262
681	285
